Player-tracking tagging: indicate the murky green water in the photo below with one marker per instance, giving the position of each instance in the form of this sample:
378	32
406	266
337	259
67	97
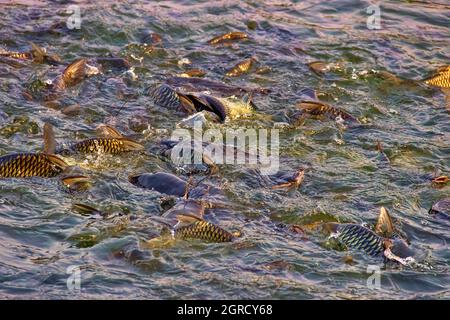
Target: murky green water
40	233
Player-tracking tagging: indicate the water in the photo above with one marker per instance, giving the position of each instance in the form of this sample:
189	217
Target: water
41	235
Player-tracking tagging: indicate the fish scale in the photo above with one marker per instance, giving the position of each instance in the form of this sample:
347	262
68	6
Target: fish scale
205	231
106	145
28	165
361	238
442	79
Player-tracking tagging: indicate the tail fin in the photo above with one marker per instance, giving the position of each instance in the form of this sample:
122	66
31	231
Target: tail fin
384	226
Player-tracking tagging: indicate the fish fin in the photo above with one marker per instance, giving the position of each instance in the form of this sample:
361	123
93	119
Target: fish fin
187	218
86	210
49	139
76	182
57	161
37	52
75	72
131	145
330	227
384	226
106	131
187	104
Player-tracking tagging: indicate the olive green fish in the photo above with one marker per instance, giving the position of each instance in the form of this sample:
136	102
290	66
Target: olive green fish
441	78
194	227
31	165
358	237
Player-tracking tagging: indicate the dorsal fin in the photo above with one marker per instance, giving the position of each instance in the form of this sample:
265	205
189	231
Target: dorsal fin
37	52
49	139
384	226
75	72
188	218
106	131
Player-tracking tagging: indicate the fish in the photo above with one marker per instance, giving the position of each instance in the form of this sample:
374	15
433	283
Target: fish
241	68
441	208
357	237
112	142
441	180
320	109
228	37
31	165
104	145
440	79
118	64
192	73
162	182
36	54
76	182
193	227
289	180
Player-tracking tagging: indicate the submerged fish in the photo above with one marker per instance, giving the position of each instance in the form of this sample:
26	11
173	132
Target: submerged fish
441	78
228	37
441	208
320	109
241	68
358	237
193	227
31	165
162	182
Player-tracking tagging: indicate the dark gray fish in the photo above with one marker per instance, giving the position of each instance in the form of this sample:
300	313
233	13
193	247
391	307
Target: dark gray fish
441	208
165	96
358	237
162	182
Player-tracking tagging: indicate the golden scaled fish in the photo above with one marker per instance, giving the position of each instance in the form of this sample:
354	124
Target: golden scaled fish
105	145
111	142
241	68
31	165
228	37
441	78
320	109
193	227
